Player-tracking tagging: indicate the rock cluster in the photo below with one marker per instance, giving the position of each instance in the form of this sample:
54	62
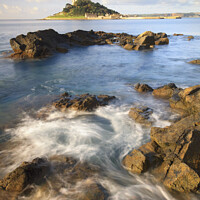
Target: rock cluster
71	170
173	154
84	102
44	43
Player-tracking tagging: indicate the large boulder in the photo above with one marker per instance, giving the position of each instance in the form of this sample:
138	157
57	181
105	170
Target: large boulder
142	88
84	102
26	174
187	100
141	114
38	44
166	91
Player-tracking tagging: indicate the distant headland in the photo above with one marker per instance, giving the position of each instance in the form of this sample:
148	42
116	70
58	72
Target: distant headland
86	9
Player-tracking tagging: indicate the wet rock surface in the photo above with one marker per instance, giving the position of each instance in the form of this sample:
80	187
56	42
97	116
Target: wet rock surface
173	154
141	114
44	43
79	176
84	102
27	173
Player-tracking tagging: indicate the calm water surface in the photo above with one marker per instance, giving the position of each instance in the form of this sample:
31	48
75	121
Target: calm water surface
106	135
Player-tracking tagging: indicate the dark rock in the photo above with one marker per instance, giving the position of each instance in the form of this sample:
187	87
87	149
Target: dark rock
145	40
197	62
166	91
84	102
143	88
37	44
141	115
160	35
27	173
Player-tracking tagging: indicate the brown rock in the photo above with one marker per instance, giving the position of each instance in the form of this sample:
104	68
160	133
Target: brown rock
197	62
182	178
145	40
141	115
84	102
143	88
135	162
187	100
160	35
129	46
166	91
25	174
190	37
162	41
178	34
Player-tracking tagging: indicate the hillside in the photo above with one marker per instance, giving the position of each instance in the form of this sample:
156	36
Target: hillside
80	8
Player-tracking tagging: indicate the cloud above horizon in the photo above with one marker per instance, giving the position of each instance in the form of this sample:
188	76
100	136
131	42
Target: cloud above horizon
30	9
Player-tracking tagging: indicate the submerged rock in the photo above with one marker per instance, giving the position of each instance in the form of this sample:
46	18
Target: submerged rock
141	115
27	173
177	34
84	102
139	87
197	62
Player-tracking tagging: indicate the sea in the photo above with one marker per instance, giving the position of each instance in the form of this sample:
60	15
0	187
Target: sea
104	136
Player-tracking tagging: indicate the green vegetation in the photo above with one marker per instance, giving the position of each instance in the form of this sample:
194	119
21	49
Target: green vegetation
86	6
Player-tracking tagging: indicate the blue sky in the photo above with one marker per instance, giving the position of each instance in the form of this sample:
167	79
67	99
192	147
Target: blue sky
36	9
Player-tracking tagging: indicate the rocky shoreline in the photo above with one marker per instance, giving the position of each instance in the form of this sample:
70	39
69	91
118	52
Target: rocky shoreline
173	154
44	43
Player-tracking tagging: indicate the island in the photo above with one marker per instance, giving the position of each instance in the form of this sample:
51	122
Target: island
84	9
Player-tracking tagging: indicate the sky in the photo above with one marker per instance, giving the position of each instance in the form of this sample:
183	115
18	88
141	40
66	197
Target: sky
37	9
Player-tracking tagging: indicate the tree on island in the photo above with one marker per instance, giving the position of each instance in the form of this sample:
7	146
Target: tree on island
80	7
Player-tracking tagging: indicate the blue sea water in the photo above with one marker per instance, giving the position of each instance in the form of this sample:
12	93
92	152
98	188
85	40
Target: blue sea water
107	134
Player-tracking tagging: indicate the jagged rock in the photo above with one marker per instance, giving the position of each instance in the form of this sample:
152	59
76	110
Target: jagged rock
141	115
190	37
135	162
182	178
162	41
173	155
145	40
38	44
195	62
143	88
187	100
166	91
27	173
84	102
